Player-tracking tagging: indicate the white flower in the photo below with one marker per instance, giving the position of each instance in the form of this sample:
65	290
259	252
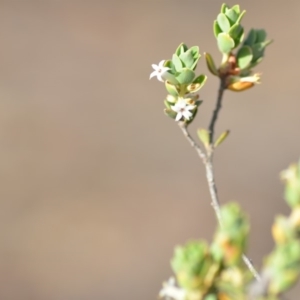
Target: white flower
170	291
159	70
183	110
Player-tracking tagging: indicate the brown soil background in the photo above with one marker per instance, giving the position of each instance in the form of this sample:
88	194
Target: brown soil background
96	184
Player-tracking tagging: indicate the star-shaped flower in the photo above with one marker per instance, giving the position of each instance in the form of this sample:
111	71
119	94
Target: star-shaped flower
159	70
170	291
183	110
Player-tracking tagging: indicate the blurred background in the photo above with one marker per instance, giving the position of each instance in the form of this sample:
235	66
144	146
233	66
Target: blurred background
97	186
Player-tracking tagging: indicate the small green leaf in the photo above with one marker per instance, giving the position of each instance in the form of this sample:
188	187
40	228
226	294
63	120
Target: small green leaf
223	23
251	38
197	84
211	297
235	31
231	15
195	51
186	76
187	58
194	65
260	35
198	102
236	8
240	17
221	138
172	90
255	63
259	49
217	29
223	8
177	63
200	79
244	57
203	136
240	38
169	64
211	64
170	113
167	105
225	42
194	87
180	49
170	77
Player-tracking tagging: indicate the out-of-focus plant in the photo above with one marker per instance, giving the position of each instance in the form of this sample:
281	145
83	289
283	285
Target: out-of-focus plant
220	270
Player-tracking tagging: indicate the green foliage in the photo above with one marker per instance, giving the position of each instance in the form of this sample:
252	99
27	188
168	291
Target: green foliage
227	29
181	81
230	239
194	266
203	136
221	138
292	189
216	271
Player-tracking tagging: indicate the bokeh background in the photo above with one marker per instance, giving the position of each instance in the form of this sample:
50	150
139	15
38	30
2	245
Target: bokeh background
97	186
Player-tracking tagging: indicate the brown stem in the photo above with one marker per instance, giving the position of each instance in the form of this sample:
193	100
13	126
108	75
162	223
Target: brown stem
216	111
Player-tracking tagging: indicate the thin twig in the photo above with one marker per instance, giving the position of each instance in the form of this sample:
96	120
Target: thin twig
208	163
212	188
185	132
216	111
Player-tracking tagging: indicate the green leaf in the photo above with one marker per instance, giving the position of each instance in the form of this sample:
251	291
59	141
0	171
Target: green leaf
211	64
231	15
180	49
172	90
203	136
217	29
170	113
255	63
187	58
225	42
198	102
236	8
223	8
194	65
259	49
211	297
195	52
197	84
235	31
240	17
177	63
244	57
251	38
221	138
240	38
167	105
169	64
223	22
200	79
171	78
260	35
186	76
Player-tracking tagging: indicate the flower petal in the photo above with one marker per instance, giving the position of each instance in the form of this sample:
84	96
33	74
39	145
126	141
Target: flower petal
161	64
181	104
187	114
190	107
154	73
179	116
175	108
155	67
158	75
